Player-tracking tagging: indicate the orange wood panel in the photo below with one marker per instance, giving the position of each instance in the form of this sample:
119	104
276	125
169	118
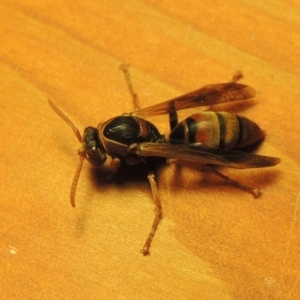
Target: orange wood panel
215	241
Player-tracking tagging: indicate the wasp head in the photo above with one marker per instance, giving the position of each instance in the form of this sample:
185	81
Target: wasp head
92	147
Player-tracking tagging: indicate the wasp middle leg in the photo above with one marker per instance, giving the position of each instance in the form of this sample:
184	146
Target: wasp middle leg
136	101
158	213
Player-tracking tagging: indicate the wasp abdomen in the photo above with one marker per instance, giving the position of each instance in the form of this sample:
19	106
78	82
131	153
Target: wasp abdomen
218	129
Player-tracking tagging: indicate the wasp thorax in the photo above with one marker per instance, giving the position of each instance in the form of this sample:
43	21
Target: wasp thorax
94	151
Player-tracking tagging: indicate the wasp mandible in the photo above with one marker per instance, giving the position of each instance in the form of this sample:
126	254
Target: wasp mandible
208	137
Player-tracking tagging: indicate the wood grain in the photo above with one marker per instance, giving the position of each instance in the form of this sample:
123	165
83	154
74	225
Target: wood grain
215	242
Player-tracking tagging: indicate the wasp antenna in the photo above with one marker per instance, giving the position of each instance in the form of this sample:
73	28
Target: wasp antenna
75	181
66	119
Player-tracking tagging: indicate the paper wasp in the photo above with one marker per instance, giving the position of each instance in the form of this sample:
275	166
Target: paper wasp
206	137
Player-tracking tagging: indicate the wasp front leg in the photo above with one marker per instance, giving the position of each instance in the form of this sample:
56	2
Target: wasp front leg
114	166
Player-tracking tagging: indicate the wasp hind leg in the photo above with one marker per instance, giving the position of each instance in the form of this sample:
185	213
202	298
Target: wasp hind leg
135	98
256	192
237	76
158	214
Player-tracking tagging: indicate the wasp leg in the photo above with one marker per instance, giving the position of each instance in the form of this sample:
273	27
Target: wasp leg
158	214
254	191
136	101
237	76
114	166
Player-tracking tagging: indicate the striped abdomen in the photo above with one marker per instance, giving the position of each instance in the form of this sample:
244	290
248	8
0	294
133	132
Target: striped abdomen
218	129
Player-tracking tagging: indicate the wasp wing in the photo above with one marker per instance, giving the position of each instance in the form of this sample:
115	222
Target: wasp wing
207	95
203	154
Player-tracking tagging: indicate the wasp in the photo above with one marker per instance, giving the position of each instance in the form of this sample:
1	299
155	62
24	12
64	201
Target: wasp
207	137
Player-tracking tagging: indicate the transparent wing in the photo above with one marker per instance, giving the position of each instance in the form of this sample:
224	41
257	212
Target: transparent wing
207	95
203	154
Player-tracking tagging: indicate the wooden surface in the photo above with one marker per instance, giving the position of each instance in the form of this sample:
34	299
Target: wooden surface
215	241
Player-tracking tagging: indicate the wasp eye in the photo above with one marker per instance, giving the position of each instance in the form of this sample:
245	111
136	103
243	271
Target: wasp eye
94	151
